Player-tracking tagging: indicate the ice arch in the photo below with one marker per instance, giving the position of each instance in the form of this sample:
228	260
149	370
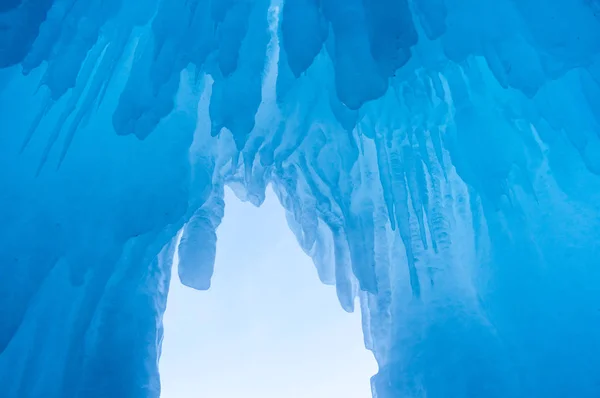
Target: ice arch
437	158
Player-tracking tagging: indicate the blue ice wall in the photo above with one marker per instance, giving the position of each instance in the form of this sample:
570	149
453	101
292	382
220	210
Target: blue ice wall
438	159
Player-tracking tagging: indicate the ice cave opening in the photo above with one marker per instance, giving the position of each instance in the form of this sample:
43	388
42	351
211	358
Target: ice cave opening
266	327
439	160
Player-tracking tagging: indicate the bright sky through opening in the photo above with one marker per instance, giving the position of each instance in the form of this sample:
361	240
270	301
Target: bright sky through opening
267	328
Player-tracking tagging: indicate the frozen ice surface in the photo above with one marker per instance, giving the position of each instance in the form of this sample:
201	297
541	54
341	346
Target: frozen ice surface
439	159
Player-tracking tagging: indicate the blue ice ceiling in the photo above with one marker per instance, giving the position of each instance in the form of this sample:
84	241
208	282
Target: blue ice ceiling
438	159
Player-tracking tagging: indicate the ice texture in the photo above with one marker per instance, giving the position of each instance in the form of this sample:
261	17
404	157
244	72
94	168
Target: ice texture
438	159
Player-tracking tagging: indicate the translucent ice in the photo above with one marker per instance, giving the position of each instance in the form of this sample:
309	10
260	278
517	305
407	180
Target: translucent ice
438	159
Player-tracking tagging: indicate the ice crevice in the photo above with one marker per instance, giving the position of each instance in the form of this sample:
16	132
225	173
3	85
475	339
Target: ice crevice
439	160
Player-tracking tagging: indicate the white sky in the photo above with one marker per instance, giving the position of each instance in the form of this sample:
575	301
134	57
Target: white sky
267	328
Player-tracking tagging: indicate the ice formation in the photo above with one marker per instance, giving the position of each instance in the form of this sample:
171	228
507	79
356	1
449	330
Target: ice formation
438	159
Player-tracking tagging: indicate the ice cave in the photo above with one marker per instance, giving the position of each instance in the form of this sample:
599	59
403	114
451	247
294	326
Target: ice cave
439	160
